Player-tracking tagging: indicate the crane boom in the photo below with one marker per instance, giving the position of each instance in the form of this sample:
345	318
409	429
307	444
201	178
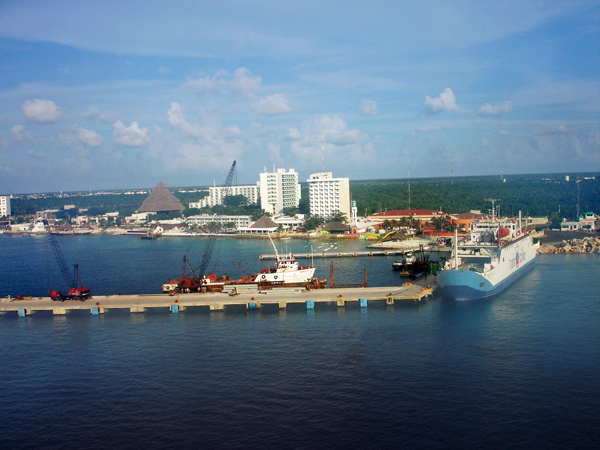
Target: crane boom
76	289
60	258
213	237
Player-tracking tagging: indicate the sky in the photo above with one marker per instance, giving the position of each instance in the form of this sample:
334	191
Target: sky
124	94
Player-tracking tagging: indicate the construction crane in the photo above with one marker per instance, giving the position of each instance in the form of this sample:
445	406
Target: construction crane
193	280
76	289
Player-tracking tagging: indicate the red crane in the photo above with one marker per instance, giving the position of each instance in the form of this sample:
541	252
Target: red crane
193	280
76	289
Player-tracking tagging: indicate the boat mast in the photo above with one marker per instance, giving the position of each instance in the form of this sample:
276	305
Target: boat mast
456	249
274	248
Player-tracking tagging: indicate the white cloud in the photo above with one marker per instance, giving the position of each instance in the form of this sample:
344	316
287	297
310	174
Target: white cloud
131	136
163	69
293	135
44	111
35	154
560	129
224	83
496	111
369	108
17	134
94	113
272	105
445	102
178	121
345	148
89	138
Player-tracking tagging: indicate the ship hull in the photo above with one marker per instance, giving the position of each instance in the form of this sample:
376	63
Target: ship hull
505	265
463	285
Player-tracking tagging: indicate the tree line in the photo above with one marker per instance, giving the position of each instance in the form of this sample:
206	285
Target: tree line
534	195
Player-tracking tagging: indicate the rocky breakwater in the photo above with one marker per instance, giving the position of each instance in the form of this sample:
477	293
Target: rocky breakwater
586	245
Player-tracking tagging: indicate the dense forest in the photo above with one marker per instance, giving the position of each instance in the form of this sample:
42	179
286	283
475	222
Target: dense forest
534	195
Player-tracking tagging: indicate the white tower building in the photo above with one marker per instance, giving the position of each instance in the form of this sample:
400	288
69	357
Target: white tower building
328	196
5	206
278	190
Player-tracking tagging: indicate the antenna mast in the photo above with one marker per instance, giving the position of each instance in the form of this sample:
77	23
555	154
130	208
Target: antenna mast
409	182
493	200
322	156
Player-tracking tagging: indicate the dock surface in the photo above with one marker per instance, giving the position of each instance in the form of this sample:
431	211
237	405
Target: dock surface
219	301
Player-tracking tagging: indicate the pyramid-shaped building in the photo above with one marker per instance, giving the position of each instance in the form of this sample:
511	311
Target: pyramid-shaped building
161	199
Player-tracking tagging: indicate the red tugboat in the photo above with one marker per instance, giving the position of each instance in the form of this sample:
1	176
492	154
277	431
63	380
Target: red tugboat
286	273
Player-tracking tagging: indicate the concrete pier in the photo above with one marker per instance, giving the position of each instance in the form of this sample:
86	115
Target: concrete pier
220	301
359	254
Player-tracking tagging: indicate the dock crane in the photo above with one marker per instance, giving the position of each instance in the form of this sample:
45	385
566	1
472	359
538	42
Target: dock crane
76	289
194	280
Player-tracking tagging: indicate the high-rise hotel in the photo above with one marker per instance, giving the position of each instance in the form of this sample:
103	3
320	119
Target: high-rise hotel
279	190
328	196
4	206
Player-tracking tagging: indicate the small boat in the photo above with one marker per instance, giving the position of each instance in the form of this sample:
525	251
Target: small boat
404	263
287	272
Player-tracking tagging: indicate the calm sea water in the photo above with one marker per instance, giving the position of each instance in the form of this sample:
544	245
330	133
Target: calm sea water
519	370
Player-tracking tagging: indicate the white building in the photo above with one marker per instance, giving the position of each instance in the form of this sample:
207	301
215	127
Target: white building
279	190
5	206
204	219
328	196
216	194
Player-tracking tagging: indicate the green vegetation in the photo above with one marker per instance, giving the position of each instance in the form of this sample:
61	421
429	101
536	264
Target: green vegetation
534	195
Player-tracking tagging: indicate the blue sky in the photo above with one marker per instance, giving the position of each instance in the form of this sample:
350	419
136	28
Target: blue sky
124	94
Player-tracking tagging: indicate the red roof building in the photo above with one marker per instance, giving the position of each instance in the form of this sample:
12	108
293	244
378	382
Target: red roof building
423	215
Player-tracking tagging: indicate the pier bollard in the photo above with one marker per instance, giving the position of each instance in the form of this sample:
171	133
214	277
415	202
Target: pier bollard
363	302
95	311
310	304
175	308
252	306
22	312
390	300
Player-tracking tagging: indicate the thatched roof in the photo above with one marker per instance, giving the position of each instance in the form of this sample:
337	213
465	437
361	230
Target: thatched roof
263	223
161	199
336	227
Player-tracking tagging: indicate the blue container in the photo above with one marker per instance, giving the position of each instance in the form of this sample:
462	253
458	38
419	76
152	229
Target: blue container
363	302
310	304
251	306
95	311
175	308
22	312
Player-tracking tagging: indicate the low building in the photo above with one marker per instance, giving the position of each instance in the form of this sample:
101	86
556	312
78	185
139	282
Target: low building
137	218
203	220
217	194
589	222
336	228
422	215
463	221
161	200
289	223
569	225
264	225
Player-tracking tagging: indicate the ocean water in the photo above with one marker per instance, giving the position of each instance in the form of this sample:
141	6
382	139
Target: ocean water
519	370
